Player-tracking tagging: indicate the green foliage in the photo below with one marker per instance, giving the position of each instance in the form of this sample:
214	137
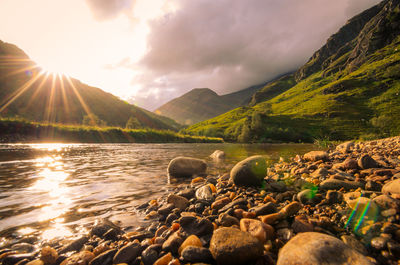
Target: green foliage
133	123
93	120
12	130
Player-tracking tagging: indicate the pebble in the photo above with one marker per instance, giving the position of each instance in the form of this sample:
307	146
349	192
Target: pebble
204	193
249	172
195	254
48	255
183	167
105	258
81	258
127	253
258	229
178	201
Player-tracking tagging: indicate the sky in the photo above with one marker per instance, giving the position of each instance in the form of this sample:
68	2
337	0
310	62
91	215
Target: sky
151	51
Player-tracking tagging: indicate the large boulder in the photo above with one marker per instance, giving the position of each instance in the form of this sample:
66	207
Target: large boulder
317	248
232	246
392	187
184	167
249	172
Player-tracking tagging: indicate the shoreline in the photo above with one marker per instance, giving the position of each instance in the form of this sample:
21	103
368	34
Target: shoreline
347	196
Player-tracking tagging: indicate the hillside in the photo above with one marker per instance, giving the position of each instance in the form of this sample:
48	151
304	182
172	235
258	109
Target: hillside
348	89
202	103
27	92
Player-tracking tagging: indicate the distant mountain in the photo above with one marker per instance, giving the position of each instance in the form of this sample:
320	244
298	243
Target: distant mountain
201	104
27	92
348	89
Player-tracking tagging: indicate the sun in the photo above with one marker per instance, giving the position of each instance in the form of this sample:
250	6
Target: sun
55	68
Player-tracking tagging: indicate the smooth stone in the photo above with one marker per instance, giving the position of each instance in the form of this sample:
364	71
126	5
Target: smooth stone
218	155
191	240
187	193
149	256
333	196
35	262
301	225
127	253
393	187
218	204
204	193
316	156
77	244
225	219
230	205
379	243
105	258
291	209
178	201
345	147
173	243
184	167
353	242
164	260
317	248
23	247
320	172
272	218
166	209
195	254
48	255
386	202
249	172
336	184
365	162
102	227
81	258
258	229
349	163
232	246
196	226
307	196
14	258
264	209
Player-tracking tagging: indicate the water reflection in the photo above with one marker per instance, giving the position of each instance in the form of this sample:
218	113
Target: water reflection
53	190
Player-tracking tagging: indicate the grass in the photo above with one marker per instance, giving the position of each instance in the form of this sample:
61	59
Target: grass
346	105
18	130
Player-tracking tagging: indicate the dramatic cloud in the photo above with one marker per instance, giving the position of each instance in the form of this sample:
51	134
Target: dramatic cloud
109	9
227	45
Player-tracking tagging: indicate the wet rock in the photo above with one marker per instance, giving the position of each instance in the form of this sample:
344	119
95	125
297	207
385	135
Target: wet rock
48	255
258	229
218	155
111	234
192	240
301	225
149	256
196	254
184	167
196	226
187	193
178	201
392	187
23	247
232	246
164	260
308	196
35	262
218	204
77	244
379	243
172	243
373	186
317	248
291	209
204	193
333	196
316	156
225	219
14	258
336	184
81	258
102	227
352	242
365	161
349	163
166	209
127	253
264	209
386	202
170	218
105	258
249	172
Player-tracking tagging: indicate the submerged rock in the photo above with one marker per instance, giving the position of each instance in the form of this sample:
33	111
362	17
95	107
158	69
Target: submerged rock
185	167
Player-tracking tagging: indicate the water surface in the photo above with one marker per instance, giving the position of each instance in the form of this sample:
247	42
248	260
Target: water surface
56	190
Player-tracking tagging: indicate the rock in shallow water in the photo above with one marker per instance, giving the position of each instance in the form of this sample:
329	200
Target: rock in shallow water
185	167
317	248
232	246
249	172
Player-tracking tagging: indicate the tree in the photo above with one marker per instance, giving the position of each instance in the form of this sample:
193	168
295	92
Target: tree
93	120
133	123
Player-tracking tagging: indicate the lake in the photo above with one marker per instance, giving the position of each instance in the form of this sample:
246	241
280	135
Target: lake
58	190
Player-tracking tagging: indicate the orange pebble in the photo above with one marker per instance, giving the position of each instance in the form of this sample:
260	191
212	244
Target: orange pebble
215	225
174	262
238	213
175	226
198	179
249	215
232	195
164	260
213	189
269	199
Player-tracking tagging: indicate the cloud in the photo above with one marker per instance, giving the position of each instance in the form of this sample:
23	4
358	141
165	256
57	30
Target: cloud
228	45
109	9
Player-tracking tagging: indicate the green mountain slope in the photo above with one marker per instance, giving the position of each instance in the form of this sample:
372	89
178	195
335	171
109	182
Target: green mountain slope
348	89
202	103
27	92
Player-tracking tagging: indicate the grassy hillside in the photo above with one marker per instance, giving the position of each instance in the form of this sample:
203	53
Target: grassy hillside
348	89
202	103
12	130
27	92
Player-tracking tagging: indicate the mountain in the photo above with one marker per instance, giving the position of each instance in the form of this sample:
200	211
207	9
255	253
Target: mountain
201	104
27	92
348	89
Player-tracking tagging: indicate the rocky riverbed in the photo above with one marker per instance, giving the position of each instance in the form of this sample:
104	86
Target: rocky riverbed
335	207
